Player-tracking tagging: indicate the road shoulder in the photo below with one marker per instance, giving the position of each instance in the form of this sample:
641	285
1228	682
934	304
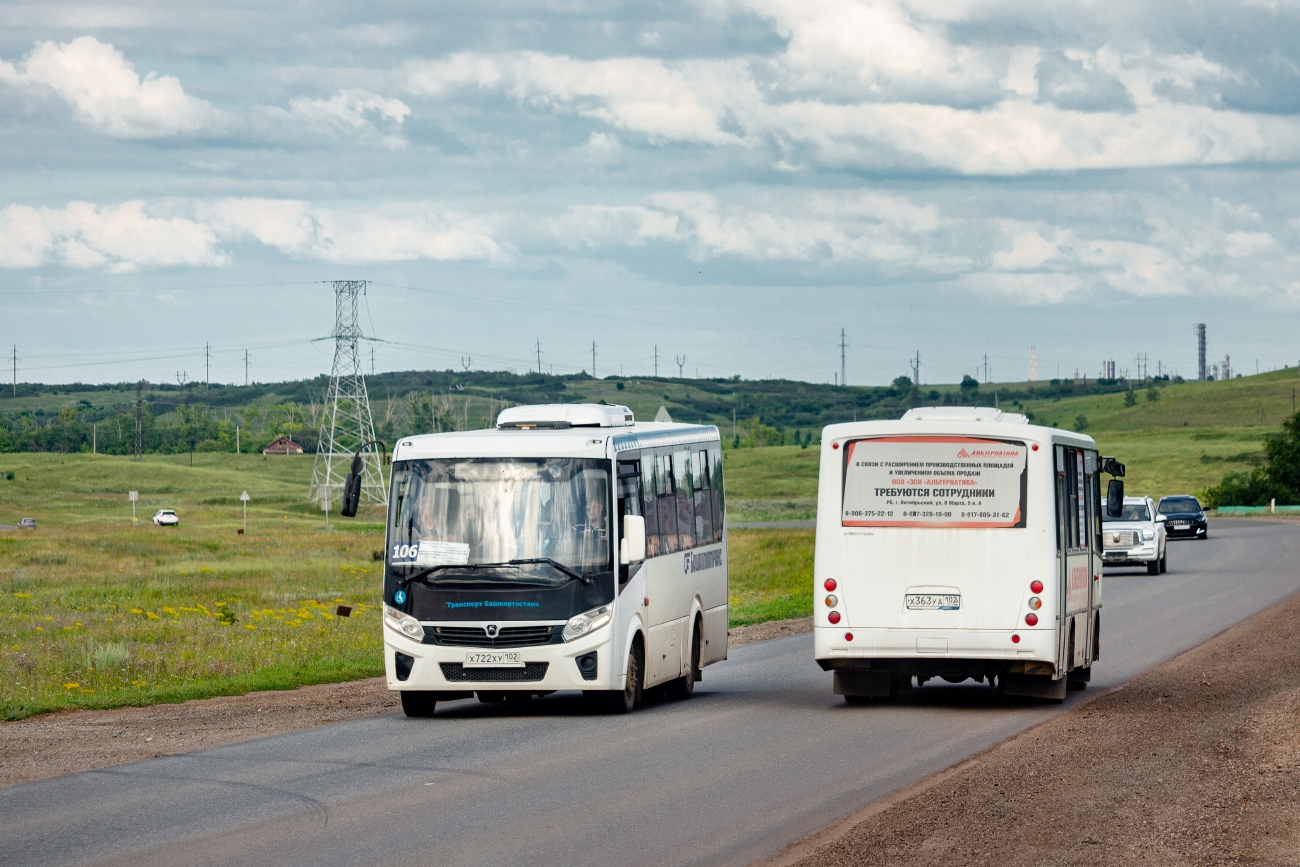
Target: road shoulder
1195	761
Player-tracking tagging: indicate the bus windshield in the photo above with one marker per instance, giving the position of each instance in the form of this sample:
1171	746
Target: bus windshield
467	511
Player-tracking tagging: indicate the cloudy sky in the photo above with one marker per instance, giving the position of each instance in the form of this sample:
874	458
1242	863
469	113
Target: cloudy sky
730	181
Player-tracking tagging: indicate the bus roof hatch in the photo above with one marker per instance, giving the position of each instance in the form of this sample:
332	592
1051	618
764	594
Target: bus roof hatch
559	416
964	413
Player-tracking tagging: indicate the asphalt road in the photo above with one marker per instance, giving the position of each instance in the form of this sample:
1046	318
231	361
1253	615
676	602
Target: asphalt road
762	756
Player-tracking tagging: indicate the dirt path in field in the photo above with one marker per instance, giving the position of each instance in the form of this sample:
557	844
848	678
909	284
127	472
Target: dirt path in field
1194	762
54	744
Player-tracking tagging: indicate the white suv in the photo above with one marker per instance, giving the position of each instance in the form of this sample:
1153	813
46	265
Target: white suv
1136	538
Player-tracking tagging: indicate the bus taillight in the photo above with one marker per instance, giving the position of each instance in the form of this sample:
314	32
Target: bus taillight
831	602
830	584
848	636
1035	603
1031	619
833	617
1036	586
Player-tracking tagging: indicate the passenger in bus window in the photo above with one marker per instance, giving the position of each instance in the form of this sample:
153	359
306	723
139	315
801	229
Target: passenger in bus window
668	535
650	503
685	498
703	496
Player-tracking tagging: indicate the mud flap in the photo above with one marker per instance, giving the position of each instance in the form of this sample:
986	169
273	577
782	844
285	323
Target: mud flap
1033	686
863	684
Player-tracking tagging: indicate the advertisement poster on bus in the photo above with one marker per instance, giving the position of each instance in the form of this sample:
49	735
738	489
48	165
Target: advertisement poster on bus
935	481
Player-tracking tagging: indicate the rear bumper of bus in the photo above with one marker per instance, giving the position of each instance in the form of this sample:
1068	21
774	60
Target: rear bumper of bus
937	653
412	665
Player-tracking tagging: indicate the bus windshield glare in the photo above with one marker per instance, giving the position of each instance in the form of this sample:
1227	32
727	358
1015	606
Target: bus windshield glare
466	511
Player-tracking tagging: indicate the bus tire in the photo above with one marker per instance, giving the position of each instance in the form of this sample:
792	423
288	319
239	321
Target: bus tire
1078	678
621	701
418	703
684	686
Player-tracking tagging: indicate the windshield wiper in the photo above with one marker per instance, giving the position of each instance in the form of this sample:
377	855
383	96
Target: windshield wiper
585	577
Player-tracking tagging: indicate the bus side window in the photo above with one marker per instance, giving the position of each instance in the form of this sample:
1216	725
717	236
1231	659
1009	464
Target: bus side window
667	503
684	483
1080	500
629	502
650	502
719	506
703	498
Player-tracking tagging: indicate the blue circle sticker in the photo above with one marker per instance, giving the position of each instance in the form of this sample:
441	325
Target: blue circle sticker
399	597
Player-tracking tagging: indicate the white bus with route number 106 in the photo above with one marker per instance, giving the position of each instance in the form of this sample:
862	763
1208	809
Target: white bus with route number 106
569	548
957	543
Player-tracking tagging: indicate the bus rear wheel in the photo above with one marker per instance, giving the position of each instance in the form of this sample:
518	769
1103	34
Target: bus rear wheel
417	703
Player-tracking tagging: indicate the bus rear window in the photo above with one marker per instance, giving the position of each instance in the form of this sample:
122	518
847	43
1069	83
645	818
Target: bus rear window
934	481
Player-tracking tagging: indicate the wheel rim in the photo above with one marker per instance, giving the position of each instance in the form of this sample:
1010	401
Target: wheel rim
633	679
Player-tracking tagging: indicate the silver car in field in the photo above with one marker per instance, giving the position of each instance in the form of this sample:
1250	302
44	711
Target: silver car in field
1136	538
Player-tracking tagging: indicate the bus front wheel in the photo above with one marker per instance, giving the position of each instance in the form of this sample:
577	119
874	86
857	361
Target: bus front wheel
417	703
620	701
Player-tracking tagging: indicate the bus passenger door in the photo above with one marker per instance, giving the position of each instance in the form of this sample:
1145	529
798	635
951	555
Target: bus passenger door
1076	543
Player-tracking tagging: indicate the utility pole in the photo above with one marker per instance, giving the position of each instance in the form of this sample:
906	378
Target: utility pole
916	369
681	362
466	361
844	377
207	366
372	361
539	356
15	370
986	368
593	359
181	376
139	429
347	424
245	367
1200	351
1033	364
656	360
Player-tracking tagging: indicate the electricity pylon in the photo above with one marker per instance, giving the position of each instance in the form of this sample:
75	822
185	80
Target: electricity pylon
347	423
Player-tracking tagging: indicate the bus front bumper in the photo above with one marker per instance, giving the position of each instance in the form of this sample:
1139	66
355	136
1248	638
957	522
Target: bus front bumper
412	665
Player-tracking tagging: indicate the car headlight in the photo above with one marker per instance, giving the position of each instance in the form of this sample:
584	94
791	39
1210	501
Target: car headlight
1148	534
404	623
589	621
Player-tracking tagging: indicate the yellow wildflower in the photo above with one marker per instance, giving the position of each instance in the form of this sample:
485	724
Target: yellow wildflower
72	686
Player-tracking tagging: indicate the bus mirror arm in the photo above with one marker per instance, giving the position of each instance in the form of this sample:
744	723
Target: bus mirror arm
632	548
352	483
1112	466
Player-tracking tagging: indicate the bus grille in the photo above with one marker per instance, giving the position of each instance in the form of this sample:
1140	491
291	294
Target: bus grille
1119	539
476	636
457	673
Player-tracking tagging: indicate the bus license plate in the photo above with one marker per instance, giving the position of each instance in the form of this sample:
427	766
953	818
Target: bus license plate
494	659
933	602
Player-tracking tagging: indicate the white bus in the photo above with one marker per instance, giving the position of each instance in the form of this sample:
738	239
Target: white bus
571	548
959	543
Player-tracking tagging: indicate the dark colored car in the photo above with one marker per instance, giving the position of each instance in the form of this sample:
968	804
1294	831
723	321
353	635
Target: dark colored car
27	523
1184	517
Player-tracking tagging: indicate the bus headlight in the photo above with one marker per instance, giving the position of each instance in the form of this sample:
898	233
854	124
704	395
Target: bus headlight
581	624
404	623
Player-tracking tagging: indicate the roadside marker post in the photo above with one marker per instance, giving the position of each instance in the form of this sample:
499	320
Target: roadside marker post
133	496
244	498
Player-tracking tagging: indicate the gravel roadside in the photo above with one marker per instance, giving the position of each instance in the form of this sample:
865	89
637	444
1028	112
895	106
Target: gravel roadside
1194	762
51	745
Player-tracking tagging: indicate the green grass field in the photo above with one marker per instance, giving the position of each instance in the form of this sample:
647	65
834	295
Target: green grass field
98	612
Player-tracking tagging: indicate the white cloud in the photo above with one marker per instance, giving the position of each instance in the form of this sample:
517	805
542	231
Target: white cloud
107	93
393	233
126	237
680	102
1028	250
353	111
1241	244
119	238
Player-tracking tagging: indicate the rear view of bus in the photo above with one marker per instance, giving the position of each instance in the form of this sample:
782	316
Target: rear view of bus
958	543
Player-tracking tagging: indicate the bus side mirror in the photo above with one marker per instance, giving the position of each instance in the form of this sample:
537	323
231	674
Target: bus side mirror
1114	498
632	548
351	495
352	488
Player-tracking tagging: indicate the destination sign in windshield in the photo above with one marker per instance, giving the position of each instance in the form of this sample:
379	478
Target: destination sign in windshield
934	482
